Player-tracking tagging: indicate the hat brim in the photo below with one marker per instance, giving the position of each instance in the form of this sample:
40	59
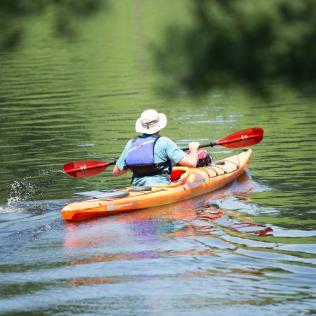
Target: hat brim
162	122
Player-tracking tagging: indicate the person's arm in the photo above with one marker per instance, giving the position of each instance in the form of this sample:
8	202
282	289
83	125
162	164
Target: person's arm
119	168
118	172
191	159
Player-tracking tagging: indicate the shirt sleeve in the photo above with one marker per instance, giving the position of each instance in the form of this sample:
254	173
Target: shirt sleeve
120	163
173	151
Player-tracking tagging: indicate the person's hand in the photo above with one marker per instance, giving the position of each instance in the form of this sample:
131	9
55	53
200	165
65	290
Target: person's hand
194	146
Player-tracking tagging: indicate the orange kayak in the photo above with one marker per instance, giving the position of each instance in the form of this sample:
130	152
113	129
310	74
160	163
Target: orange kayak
186	183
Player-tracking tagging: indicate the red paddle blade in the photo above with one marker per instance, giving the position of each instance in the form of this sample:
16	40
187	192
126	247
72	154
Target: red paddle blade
244	138
85	168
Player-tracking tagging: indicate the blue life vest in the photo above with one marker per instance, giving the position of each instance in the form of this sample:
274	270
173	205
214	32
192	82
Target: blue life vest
140	158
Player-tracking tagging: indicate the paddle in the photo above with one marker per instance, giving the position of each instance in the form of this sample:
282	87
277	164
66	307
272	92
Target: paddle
86	168
243	138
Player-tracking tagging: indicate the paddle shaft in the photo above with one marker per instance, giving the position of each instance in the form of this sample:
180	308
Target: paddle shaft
212	144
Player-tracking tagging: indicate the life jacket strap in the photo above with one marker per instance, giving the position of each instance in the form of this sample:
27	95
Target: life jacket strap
150	169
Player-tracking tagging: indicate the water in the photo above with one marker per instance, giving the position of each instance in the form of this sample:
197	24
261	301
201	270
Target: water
246	249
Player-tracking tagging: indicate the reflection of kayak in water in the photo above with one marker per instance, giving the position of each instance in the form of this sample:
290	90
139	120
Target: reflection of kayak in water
107	230
186	183
198	216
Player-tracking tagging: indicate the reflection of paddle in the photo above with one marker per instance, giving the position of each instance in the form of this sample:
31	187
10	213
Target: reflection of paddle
243	138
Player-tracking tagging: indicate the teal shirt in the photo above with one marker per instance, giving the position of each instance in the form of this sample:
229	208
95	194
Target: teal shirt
165	149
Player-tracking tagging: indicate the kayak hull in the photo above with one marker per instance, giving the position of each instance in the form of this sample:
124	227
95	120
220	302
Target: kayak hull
191	182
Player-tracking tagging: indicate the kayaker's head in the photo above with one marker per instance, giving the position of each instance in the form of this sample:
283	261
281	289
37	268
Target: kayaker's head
151	122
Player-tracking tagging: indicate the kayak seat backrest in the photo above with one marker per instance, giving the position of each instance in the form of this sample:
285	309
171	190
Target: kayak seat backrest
176	174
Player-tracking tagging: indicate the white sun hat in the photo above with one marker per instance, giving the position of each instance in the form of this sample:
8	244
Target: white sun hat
150	122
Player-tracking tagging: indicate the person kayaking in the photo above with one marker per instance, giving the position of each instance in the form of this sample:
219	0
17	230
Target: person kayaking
150	156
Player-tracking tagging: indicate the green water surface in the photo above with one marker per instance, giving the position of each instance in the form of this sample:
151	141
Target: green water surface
64	99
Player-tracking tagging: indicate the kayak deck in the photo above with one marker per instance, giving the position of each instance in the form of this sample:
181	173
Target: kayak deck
187	183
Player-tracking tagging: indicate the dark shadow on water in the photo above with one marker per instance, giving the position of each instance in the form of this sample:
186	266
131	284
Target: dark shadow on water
244	43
